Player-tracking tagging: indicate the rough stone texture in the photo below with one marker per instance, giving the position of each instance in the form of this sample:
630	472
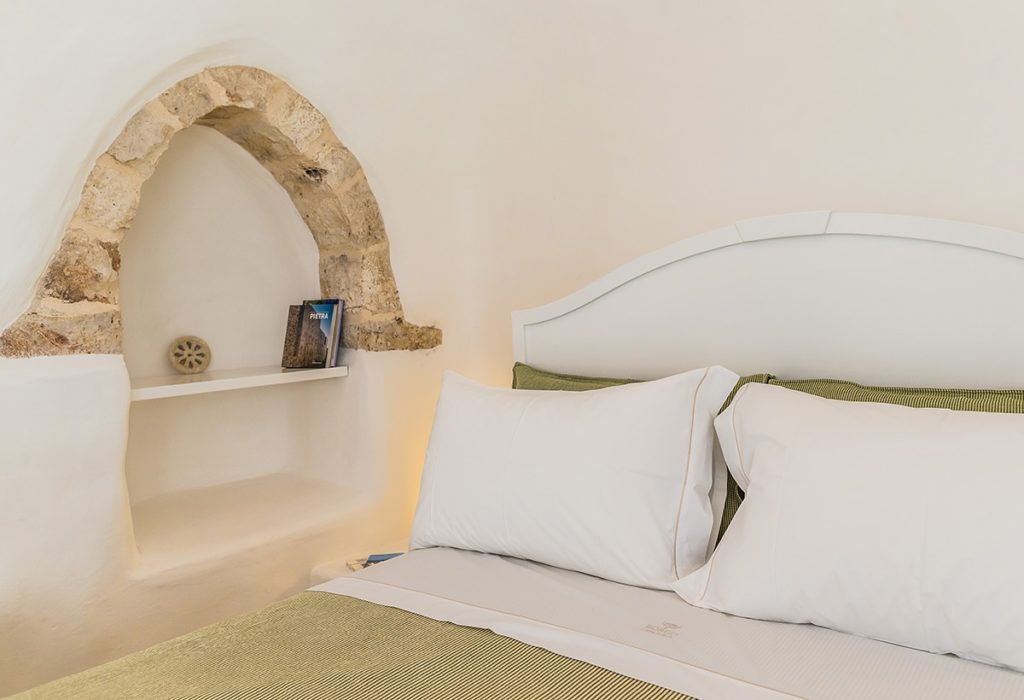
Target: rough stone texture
110	198
261	138
338	161
76	310
53	328
298	120
326	221
146	135
360	207
246	86
192	98
84	269
367	276
390	335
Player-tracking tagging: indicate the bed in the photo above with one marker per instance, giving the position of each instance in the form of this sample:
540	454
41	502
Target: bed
874	298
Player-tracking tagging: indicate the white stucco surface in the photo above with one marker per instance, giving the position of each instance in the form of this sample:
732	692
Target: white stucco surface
517	150
63	505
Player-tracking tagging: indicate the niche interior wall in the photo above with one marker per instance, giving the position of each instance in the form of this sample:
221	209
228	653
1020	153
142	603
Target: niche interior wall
75	308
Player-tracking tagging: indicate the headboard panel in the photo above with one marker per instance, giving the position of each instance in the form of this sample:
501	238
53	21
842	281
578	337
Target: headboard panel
879	299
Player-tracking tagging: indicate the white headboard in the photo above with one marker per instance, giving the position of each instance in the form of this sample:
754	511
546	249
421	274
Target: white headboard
875	298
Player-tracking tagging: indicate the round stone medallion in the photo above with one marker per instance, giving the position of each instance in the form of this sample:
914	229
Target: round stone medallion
189	354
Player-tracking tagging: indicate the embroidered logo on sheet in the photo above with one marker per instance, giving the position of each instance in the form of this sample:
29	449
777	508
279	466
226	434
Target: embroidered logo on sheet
668	630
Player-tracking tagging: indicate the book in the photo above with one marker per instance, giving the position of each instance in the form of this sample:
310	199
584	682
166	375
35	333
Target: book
313	335
290	354
334	354
339	315
306	340
360	564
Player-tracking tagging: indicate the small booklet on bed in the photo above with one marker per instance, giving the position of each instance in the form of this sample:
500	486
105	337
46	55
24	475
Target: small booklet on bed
359	564
313	334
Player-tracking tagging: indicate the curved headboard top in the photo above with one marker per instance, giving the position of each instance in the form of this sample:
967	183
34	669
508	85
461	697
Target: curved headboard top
875	298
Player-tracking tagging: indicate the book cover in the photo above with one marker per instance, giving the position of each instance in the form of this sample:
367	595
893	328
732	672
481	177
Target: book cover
314	335
290	354
334	350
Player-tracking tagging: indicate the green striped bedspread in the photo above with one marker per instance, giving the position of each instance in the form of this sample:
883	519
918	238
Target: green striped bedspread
322	645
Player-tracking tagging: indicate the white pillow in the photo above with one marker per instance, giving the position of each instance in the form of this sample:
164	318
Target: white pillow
613	482
901	524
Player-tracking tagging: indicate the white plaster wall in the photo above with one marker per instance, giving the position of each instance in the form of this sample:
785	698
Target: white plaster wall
517	151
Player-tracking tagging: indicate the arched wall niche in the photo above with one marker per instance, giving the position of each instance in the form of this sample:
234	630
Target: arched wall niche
76	308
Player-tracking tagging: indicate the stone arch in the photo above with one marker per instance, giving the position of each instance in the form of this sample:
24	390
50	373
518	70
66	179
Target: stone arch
76	304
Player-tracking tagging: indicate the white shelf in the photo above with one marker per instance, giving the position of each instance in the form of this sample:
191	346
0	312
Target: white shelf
167	386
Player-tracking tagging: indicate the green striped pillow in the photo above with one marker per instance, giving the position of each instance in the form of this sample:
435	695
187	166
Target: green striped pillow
985	400
527	377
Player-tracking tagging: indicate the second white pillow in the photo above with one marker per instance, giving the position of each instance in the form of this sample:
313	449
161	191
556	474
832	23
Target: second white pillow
901	524
613	482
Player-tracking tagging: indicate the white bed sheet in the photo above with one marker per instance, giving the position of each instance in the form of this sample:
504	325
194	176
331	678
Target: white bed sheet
656	637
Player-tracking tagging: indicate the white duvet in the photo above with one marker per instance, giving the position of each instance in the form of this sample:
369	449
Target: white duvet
656	637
